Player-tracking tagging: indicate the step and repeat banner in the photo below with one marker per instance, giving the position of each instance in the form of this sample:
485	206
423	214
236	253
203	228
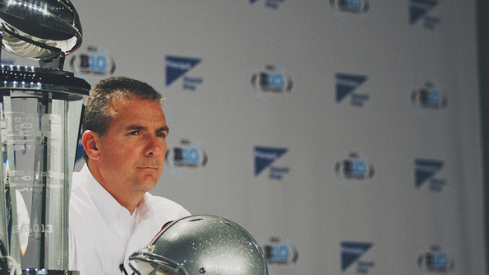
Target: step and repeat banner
344	135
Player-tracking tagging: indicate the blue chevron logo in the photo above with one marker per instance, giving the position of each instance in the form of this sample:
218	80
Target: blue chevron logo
351	252
177	66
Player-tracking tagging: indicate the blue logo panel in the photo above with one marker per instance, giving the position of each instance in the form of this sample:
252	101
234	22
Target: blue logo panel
419	9
426	169
178	66
351	252
347	84
265	156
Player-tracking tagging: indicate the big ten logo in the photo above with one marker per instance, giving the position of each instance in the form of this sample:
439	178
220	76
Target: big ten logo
355	167
280	251
94	60
429	97
186	156
188	153
436	260
349	6
22	129
273	80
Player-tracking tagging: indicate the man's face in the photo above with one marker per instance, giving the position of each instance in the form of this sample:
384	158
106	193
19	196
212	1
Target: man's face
132	152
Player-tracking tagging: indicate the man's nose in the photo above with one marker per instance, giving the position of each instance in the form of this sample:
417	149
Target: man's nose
154	146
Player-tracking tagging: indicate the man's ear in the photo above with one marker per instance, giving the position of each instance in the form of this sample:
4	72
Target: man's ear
90	140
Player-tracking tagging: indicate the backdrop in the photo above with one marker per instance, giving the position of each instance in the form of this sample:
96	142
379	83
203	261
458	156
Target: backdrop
344	135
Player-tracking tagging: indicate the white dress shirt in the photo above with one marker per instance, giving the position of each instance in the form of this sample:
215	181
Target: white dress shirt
103	234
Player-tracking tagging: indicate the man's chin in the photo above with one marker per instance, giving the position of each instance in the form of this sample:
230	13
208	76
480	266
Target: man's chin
148	182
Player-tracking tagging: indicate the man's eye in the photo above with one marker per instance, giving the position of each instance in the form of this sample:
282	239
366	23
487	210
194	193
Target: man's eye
162	135
133	133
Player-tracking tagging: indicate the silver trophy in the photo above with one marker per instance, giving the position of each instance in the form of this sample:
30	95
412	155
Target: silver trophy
40	110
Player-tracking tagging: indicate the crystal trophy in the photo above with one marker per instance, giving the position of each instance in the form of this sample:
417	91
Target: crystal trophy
40	111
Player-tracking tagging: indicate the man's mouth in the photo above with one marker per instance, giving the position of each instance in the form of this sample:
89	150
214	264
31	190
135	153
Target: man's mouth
147	168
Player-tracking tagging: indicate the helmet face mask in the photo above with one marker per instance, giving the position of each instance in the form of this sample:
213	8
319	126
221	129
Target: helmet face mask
152	264
200	245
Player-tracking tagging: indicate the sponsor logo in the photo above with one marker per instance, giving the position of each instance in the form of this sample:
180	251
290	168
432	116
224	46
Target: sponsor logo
265	157
272	4
93	60
271	81
346	86
354	168
425	171
436	260
178	67
188	154
341	7
419	9
351	252
428	97
280	251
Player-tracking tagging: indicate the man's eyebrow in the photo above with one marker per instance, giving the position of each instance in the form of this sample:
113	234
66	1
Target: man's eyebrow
163	129
140	127
135	127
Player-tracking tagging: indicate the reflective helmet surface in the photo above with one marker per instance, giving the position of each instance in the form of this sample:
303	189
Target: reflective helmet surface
201	244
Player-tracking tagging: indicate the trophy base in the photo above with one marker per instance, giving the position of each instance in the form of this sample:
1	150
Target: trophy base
35	271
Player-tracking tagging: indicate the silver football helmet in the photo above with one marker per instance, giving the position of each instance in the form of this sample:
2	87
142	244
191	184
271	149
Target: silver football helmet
199	245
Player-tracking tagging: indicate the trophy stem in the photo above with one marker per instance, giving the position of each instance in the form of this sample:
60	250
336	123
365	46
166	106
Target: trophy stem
56	63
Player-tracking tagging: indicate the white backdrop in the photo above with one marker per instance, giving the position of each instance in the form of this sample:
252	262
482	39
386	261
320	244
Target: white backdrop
270	102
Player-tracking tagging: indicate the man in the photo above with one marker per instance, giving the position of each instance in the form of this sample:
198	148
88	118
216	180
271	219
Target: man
111	213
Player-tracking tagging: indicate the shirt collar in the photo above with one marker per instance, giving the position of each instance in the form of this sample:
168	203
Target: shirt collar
145	208
108	206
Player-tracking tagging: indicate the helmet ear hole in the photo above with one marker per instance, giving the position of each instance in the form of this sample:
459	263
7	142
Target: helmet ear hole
230	224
